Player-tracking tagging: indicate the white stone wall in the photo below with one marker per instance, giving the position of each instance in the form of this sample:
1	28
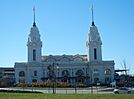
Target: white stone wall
18	68
94	42
34	43
72	63
42	70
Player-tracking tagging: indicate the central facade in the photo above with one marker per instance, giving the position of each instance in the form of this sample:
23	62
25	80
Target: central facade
86	69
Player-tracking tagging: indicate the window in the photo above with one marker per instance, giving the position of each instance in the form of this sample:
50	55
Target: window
96	72
65	73
0	74
95	53
44	72
34	80
35	73
79	73
108	72
108	79
21	74
34	55
96	80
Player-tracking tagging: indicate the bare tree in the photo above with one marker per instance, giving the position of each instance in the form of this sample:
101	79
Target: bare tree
124	66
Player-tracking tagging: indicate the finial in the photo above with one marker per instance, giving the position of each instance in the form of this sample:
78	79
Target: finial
92	16
34	24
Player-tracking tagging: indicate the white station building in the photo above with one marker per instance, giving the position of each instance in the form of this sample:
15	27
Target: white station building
85	69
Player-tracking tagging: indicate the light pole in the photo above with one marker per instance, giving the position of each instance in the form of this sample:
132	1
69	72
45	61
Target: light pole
75	88
56	77
91	75
92	81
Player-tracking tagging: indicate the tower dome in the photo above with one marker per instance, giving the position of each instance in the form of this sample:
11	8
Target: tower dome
34	43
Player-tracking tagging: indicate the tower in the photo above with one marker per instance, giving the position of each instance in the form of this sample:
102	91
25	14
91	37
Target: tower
94	43
34	43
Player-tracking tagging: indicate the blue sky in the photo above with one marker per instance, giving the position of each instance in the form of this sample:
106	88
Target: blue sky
64	25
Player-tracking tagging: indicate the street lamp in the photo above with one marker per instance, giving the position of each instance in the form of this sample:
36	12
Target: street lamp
91	79
56	77
75	88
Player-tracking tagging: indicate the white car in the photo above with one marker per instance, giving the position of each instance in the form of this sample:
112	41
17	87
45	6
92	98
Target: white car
123	91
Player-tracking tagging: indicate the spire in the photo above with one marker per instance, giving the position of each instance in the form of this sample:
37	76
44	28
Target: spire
92	16
34	24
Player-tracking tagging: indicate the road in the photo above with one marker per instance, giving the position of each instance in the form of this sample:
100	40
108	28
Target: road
65	91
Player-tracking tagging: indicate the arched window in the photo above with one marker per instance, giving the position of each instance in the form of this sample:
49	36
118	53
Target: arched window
95	53
108	72
79	73
21	74
79	76
65	73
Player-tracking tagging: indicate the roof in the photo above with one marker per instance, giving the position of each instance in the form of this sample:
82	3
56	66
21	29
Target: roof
7	69
64	58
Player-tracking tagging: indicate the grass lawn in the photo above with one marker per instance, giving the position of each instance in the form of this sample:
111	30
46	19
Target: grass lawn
64	96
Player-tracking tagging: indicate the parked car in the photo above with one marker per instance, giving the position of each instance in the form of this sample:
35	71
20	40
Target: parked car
123	90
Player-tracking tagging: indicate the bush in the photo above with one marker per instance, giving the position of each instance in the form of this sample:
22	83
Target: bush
49	84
